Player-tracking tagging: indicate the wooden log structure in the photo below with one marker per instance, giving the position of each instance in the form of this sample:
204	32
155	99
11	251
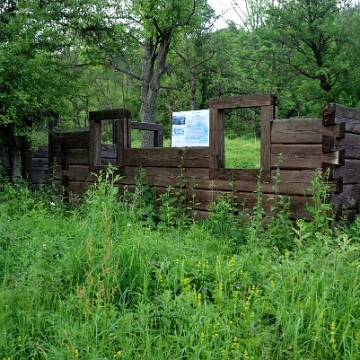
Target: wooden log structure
292	152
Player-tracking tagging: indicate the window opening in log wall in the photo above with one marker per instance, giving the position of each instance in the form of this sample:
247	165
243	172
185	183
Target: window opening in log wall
242	138
108	142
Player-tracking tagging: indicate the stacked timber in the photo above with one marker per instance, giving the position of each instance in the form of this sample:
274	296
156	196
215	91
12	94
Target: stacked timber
347	172
38	173
292	152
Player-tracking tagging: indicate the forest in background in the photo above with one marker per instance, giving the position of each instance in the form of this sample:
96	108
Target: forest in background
70	57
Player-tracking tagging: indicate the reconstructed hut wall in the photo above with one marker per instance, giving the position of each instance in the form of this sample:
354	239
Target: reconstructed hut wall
297	148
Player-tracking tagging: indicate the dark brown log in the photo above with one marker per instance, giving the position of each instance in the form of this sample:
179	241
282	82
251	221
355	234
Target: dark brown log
237	174
41	152
265	155
307	131
283	188
335	113
77	188
39	164
349	197
168	157
73	140
350	172
217	139
146	126
243	101
74	157
109	151
351	145
109	114
39	176
107	161
303	156
189	173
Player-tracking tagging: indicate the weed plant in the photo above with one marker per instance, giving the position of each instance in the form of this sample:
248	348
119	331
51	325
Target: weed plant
101	282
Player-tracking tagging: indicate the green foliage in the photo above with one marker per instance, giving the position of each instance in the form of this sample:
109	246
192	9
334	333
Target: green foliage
242	152
94	283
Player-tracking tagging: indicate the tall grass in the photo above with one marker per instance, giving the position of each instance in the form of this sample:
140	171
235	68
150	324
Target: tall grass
242	153
101	281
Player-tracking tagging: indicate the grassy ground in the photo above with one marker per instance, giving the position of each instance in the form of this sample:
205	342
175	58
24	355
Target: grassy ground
105	281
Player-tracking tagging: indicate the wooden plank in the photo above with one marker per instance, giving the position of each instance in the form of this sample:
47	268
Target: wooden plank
76	139
109	151
26	171
308	131
335	113
295	176
146	126
75	173
127	133
234	102
74	157
285	188
122	141
349	197
168	157
41	152
349	172
236	174
107	161
39	176
95	143
245	201
265	151
109	114
77	187
39	163
351	145
217	139
302	156
171	172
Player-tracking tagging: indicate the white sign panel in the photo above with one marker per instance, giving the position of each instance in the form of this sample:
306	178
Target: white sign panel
190	128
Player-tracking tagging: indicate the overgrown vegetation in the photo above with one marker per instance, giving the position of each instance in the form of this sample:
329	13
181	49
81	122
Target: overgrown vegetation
119	278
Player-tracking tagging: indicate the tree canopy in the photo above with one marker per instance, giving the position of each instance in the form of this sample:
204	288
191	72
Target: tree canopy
72	56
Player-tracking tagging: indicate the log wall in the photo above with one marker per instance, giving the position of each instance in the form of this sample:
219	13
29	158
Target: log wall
297	148
37	169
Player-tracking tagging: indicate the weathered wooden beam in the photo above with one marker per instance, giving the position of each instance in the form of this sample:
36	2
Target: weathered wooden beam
170	172
307	131
168	157
349	198
146	126
351	145
267	113
235	174
334	113
349	172
234	102
217	138
158	130
302	156
77	139
74	157
109	114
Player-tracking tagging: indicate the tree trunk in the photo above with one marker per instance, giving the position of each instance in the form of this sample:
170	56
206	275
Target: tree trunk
153	67
7	151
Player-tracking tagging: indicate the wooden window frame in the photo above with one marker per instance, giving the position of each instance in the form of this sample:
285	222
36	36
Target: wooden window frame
268	104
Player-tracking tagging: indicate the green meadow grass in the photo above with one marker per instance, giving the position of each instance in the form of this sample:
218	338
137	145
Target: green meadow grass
104	281
242	153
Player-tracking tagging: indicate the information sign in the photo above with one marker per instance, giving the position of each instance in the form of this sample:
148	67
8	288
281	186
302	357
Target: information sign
190	128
